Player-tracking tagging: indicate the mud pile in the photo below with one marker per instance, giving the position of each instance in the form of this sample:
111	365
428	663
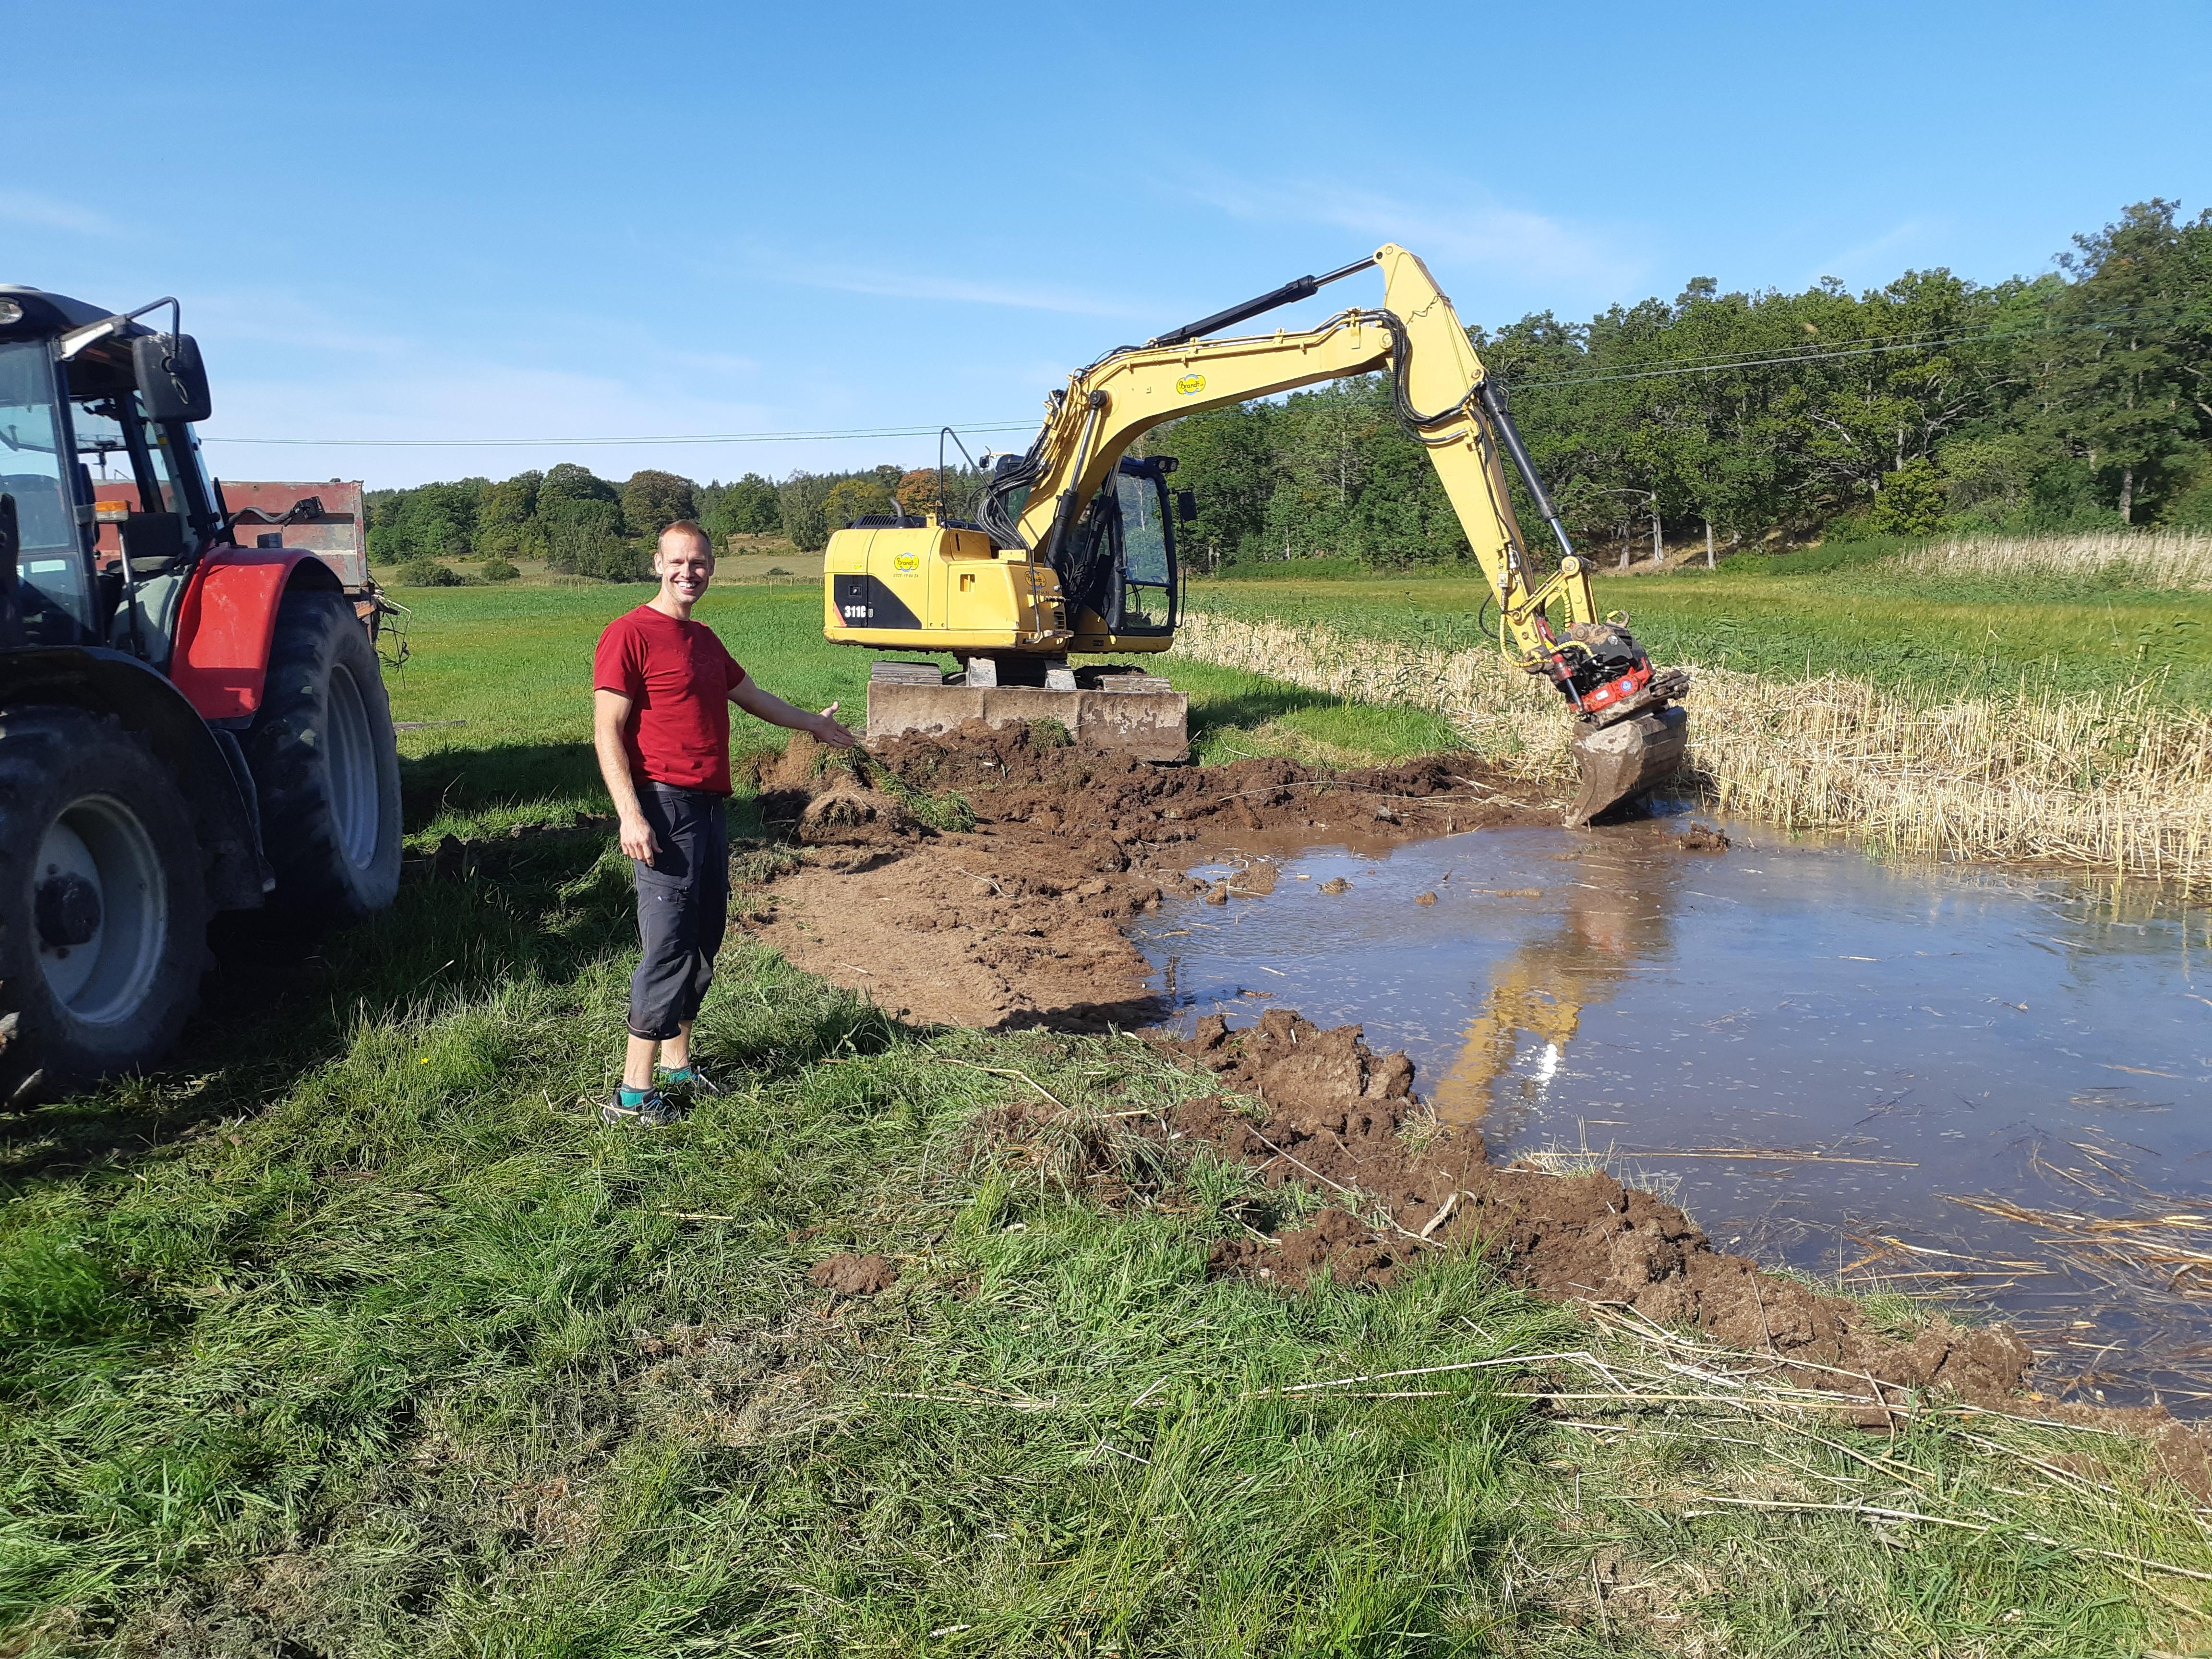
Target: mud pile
1336	1114
982	880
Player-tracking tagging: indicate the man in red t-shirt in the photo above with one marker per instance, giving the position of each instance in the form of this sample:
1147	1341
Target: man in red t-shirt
661	722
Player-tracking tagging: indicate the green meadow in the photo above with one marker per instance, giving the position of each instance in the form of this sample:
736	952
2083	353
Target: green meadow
512	667
353	1333
1840	609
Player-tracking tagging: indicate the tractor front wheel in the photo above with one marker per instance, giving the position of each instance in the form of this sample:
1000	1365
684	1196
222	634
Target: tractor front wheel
325	765
103	904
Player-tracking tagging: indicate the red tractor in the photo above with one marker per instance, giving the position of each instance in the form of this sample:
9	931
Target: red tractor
186	725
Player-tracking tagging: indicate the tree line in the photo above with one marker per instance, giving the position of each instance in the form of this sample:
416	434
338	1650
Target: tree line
2078	399
583	524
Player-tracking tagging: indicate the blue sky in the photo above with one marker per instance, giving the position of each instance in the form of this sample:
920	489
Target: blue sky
456	220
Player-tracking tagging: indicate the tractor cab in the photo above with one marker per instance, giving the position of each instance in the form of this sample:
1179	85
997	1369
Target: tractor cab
186	725
97	454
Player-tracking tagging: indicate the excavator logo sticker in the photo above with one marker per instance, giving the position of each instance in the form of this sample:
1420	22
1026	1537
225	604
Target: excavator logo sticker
1191	385
906	564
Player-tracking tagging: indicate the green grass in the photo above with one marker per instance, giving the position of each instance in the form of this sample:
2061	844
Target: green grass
353	1333
392	1349
515	665
1826	610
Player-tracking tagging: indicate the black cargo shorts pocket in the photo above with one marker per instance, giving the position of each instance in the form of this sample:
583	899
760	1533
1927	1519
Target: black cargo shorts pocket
662	894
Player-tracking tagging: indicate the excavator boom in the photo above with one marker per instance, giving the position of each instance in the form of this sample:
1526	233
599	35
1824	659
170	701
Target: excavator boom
1072	551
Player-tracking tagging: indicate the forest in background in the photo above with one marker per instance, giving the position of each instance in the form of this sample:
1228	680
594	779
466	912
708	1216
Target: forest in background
2079	399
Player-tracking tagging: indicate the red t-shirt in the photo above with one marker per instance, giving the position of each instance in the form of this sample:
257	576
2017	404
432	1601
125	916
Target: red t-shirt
678	677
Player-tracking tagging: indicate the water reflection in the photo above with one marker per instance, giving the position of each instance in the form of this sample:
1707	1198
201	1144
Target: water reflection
1614	918
1908	1077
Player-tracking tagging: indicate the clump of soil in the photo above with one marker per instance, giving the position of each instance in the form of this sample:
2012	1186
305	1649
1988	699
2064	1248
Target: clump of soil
855	1275
1336	1111
1017	921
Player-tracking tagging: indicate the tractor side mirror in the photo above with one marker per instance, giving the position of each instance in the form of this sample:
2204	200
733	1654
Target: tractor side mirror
1187	505
173	383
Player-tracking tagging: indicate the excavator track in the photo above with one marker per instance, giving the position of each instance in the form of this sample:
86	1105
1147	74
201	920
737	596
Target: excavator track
1131	713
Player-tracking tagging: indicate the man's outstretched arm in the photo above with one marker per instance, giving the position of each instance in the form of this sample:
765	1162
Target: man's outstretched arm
767	706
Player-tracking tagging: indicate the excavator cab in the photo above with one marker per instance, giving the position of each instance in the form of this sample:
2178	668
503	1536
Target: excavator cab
1120	574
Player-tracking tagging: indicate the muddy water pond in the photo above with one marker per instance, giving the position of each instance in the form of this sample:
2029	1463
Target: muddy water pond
1932	1080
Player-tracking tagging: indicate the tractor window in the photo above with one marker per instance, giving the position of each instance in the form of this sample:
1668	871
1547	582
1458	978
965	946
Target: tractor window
56	581
129	465
1147	562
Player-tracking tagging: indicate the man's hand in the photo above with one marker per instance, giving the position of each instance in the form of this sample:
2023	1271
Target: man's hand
637	842
825	730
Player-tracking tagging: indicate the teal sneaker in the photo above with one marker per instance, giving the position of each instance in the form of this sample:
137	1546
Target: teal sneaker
691	1080
647	1108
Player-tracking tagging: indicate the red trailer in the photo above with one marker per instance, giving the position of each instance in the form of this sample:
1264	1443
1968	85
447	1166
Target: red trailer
336	533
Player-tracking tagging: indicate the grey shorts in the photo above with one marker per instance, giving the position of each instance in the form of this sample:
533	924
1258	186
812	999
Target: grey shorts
683	907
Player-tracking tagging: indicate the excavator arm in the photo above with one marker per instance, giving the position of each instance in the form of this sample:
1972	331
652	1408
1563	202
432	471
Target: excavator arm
1416	335
1052	512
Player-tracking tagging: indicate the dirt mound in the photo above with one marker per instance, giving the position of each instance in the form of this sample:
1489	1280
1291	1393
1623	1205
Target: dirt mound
1337	1112
1013	775
855	1275
1017	920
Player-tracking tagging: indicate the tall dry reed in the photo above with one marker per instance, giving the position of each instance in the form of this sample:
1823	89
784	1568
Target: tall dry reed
2159	558
2108	780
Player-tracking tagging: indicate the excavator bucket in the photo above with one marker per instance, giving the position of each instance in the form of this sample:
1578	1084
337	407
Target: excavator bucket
1132	714
1621	761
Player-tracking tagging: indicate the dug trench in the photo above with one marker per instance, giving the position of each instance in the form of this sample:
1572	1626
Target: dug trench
983	881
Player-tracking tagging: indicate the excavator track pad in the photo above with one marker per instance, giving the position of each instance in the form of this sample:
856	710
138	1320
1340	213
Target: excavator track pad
1130	712
1622	759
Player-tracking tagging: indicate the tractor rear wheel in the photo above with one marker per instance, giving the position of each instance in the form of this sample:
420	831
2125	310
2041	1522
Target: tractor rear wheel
103	901
324	763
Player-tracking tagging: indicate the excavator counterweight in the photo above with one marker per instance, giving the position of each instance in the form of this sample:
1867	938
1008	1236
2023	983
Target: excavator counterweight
1071	552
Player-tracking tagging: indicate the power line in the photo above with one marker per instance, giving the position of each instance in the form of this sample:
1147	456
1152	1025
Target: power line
1697	366
1719	365
563	443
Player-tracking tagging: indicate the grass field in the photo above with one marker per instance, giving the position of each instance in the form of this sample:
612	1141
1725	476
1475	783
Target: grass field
353	1333
2036	705
514	665
1847	611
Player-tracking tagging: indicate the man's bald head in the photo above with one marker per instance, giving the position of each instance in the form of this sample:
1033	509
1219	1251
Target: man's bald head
683	537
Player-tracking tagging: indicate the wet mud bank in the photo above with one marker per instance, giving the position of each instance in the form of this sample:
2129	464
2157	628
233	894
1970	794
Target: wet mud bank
987	881
1008	910
1344	1118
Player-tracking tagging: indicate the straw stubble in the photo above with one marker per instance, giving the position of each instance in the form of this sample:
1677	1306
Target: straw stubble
2111	780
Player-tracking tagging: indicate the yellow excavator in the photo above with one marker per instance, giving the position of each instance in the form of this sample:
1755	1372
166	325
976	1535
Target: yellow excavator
1071	552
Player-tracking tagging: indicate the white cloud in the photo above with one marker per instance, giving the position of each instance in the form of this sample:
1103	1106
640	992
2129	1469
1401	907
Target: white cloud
284	317
1859	257
24	207
907	285
1460	229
